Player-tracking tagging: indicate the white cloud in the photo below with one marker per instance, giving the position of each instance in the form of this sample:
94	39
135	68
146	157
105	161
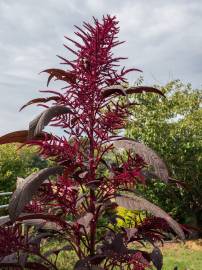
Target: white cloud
163	38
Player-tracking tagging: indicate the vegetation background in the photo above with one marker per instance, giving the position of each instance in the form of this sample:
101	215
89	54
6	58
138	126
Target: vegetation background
172	128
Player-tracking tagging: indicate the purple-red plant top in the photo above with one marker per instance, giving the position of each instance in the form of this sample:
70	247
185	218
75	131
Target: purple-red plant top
93	176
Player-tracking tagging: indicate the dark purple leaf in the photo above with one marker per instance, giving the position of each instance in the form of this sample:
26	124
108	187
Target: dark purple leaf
24	193
60	74
82	265
149	156
85	220
157	258
8	265
114	243
114	89
42	224
133	202
19	136
12	258
142	89
37	125
39	100
131	232
4	220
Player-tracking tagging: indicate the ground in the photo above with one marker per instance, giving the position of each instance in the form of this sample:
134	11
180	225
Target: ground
186	256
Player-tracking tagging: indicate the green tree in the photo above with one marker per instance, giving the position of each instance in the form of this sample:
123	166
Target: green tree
17	163
172	126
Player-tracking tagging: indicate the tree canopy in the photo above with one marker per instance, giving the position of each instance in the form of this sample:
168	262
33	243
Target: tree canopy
172	126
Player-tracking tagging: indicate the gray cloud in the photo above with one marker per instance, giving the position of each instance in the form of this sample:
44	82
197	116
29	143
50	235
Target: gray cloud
163	39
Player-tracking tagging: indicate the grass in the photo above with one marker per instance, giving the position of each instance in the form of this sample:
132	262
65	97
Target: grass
186	256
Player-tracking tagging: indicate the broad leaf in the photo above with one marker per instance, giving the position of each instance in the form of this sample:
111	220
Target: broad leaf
142	89
19	136
60	74
131	232
38	124
19	181
85	220
8	265
82	265
42	224
4	220
149	156
157	258
116	244
133	202
33	125
114	89
12	258
35	240
38	100
24	193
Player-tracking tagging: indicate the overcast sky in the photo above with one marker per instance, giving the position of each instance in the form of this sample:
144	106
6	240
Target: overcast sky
164	39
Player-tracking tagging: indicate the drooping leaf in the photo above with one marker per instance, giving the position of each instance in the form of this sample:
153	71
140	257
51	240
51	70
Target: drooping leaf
33	125
82	265
35	240
130	232
85	220
19	181
38	124
116	245
157	258
124	72
19	136
142	89
60	74
149	156
11	258
8	265
24	193
133	202
42	224
4	220
38	100
48	218
114	89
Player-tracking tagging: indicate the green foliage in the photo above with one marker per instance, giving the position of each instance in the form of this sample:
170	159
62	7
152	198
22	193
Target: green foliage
17	163
172	127
131	218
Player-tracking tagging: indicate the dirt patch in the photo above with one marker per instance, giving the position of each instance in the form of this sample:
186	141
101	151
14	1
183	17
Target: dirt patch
194	245
190	244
